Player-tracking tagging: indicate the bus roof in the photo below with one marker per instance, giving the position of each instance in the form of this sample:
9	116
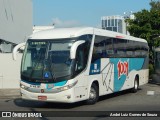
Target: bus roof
58	33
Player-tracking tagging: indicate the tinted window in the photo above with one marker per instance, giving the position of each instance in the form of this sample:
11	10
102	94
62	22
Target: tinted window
109	47
130	48
120	47
99	48
82	53
105	47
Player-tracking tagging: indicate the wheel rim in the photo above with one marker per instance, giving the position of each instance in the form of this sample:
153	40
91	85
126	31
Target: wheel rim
136	85
92	94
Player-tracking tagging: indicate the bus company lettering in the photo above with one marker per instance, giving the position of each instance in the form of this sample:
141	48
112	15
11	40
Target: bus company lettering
123	68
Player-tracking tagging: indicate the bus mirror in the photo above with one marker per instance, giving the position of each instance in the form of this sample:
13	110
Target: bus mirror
74	48
19	46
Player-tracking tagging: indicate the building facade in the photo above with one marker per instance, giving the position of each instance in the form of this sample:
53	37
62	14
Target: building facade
15	23
15	27
114	23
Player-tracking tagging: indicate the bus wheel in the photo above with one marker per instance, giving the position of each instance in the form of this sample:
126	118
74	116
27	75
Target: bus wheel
136	85
93	95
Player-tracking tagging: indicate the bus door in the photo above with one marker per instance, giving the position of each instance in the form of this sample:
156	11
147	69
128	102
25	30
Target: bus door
81	59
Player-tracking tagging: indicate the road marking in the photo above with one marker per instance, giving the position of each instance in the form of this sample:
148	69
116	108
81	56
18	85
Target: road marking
150	92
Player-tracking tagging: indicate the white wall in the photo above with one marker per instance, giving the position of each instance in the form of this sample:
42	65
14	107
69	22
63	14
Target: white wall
15	20
15	27
9	71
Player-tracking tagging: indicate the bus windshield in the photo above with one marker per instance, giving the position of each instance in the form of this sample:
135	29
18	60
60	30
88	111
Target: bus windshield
47	60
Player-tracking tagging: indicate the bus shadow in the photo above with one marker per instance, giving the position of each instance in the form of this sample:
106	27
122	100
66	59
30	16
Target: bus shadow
116	94
49	105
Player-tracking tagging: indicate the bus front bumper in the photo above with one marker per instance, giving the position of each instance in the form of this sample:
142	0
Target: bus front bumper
66	96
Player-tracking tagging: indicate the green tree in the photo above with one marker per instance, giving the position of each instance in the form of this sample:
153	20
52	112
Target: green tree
147	25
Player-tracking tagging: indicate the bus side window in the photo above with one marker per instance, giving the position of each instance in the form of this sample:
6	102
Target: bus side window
99	50
109	47
120	47
79	58
95	55
82	57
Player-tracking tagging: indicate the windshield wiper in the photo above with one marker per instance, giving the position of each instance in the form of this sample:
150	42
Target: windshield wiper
53	75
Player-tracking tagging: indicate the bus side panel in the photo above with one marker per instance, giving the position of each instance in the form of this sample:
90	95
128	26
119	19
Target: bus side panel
143	76
107	72
102	71
117	74
125	70
81	88
95	75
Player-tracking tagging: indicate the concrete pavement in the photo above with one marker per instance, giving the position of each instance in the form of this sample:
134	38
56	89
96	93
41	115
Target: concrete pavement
9	93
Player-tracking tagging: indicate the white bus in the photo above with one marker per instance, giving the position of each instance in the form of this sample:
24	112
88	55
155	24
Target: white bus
74	64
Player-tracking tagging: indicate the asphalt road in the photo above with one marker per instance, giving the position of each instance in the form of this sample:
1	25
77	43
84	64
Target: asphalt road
146	100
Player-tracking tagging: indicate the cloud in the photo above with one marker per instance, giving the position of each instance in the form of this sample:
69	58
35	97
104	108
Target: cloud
69	23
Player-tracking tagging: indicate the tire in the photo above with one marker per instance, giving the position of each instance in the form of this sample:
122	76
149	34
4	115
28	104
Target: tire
93	95
136	85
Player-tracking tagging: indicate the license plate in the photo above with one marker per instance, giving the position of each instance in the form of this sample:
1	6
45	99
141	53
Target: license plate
42	97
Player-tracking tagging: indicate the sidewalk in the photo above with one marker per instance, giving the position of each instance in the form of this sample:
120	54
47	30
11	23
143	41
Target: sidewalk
9	93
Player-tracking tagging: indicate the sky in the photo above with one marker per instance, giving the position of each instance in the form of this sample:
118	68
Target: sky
71	13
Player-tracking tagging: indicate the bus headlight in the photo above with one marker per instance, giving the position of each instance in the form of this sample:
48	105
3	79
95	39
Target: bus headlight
66	87
23	86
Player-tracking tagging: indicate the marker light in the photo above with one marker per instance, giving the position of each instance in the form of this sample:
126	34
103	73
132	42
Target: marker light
118	36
